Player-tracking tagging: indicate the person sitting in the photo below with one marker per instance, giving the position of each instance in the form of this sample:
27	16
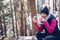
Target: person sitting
49	24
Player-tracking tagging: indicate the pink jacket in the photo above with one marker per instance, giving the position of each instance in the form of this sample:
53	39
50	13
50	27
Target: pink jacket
49	27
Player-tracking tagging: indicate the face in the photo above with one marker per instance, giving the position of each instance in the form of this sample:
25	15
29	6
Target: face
43	15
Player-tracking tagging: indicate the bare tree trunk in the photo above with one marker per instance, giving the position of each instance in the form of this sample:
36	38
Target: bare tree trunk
0	25
58	8
22	12
31	5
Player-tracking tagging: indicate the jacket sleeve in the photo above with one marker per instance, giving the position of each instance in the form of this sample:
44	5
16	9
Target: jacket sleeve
50	27
38	27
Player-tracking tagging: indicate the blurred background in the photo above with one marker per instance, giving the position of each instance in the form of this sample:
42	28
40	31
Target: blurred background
16	16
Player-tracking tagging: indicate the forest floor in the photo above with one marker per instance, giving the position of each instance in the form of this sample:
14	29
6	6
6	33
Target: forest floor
27	38
19	38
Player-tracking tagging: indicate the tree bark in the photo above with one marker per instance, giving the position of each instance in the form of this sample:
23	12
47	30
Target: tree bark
22	12
32	9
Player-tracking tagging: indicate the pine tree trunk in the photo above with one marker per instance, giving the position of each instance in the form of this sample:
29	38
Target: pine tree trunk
22	12
32	6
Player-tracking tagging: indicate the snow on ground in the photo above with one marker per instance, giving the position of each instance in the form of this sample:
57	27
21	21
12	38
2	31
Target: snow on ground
27	38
